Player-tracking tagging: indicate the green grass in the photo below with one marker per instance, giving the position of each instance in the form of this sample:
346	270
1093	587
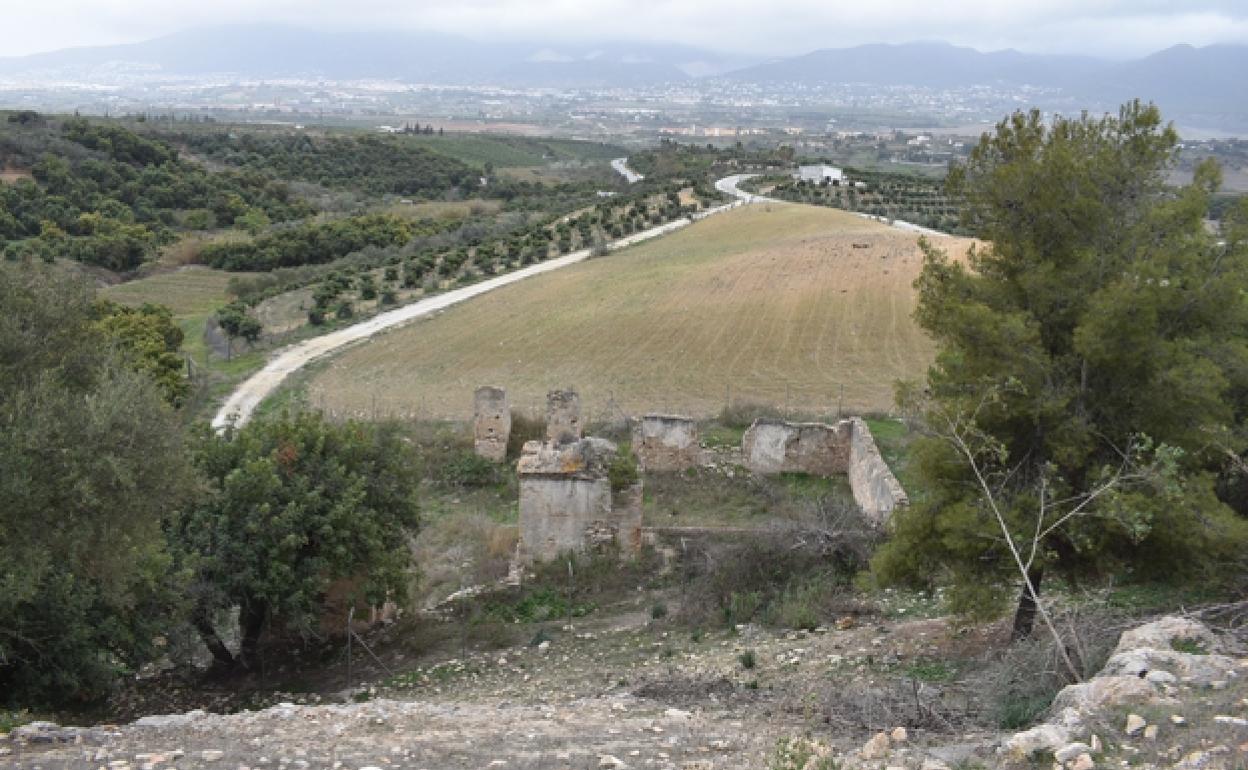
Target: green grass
893	438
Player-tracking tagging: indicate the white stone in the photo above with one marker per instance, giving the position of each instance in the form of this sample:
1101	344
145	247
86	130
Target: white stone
1135	724
899	735
1041	738
1083	762
610	762
1070	751
877	747
211	755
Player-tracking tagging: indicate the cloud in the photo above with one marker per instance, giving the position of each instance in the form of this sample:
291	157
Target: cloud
1100	27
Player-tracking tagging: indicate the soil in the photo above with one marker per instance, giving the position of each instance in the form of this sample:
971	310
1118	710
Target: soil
615	686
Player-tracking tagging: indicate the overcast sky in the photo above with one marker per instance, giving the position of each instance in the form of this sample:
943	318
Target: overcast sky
1111	28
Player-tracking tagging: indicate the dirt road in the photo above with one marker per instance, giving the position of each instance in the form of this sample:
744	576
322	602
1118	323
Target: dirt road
240	404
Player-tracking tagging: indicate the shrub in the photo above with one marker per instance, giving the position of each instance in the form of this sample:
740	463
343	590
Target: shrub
658	611
464	468
748	660
623	470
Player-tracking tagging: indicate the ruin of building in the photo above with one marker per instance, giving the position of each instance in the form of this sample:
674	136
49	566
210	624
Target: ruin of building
567	503
667	443
563	416
491	423
844	448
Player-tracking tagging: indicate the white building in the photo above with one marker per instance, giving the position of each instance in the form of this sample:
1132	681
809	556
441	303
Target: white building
819	173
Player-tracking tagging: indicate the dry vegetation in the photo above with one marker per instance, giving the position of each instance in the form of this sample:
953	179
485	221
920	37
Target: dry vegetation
775	304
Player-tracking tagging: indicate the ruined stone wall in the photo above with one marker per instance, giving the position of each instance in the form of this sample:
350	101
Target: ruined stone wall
566	502
555	514
875	488
491	424
667	443
563	416
775	446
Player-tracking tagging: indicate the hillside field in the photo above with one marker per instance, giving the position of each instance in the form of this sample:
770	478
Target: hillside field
193	293
801	307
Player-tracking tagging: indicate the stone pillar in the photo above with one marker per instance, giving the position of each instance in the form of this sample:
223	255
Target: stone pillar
563	417
491	423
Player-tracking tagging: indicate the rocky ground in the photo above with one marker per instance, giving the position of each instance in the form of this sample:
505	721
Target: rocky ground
634	692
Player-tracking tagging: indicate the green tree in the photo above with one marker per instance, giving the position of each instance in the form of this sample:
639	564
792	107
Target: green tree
236	322
150	342
93	464
295	504
1089	356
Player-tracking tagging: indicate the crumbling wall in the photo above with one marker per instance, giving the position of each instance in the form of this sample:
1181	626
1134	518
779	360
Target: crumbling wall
667	443
566	502
491	423
775	446
875	488
563	416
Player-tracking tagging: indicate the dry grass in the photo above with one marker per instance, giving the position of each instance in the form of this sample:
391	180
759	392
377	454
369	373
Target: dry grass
11	175
767	304
446	210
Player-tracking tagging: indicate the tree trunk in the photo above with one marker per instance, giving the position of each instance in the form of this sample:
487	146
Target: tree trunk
251	618
1025	615
220	653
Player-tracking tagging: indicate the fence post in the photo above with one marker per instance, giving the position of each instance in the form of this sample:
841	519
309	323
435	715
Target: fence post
350	619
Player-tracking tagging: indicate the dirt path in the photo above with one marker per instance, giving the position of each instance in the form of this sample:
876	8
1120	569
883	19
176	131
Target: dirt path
240	404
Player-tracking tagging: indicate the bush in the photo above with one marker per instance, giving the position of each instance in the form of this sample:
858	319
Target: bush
623	470
465	468
748	660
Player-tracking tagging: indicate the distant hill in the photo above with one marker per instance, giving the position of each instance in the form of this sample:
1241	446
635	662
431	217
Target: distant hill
259	51
1205	84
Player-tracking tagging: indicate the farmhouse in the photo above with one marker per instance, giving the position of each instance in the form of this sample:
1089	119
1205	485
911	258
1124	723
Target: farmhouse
819	173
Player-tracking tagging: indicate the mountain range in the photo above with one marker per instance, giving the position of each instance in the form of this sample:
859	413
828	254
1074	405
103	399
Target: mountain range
1184	80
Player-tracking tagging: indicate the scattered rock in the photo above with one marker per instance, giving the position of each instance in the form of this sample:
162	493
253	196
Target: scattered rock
899	735
1029	743
1162	634
1070	751
1135	724
1150	733
1083	762
611	762
877	747
211	755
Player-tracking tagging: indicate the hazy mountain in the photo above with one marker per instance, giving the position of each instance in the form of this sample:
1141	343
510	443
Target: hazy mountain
936	65
1199	84
260	51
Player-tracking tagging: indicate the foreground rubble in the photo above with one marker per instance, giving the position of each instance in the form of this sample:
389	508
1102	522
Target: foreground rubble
1172	695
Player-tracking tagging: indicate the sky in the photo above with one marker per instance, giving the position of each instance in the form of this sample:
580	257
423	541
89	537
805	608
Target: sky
1106	28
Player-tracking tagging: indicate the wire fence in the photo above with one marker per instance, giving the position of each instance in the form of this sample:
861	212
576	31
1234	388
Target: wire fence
607	407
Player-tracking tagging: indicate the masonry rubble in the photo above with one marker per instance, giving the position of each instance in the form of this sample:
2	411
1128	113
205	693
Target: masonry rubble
491	423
